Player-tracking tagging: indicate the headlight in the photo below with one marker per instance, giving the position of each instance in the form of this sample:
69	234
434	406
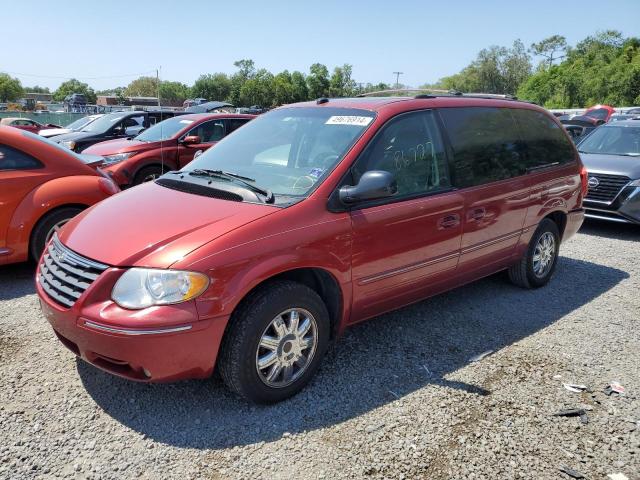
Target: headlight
70	144
635	183
144	287
118	157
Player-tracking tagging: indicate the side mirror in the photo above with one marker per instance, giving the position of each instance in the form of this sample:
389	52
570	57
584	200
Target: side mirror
373	185
191	139
132	131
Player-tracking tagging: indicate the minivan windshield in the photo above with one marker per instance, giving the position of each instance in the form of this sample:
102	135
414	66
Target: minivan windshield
612	140
288	151
164	130
104	123
79	123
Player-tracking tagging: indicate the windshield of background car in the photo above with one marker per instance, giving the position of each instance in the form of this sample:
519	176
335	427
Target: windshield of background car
104	123
164	130
288	151
79	123
612	140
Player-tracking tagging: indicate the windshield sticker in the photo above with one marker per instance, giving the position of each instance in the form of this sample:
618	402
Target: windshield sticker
316	172
349	120
186	121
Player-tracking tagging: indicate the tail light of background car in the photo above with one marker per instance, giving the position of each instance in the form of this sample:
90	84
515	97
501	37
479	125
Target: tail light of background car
584	179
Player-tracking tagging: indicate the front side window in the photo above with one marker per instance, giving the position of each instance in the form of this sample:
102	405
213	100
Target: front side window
545	141
486	145
13	159
290	150
209	132
613	140
234	124
411	148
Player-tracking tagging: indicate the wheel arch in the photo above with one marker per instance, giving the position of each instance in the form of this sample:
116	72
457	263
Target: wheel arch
560	219
45	214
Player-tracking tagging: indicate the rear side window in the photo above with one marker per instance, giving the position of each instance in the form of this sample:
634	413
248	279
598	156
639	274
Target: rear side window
13	159
545	140
234	124
410	147
486	145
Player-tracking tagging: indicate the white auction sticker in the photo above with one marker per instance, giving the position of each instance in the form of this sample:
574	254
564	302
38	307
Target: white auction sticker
188	122
349	120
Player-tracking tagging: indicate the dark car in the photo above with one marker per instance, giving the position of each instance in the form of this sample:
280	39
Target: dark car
612	157
116	125
311	218
579	126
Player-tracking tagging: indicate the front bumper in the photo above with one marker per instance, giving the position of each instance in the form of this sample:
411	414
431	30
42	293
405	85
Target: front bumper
625	208
157	344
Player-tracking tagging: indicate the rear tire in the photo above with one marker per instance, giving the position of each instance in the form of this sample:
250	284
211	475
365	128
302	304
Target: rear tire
269	353
538	265
147	174
47	226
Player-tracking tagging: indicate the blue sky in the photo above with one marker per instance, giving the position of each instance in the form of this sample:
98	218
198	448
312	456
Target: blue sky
425	40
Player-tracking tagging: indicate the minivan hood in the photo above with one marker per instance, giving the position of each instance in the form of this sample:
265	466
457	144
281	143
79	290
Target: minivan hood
111	147
75	136
612	164
50	132
154	226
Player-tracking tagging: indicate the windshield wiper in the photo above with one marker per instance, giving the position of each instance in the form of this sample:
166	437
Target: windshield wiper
203	172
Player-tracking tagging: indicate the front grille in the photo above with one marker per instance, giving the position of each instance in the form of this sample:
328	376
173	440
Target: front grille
608	188
65	275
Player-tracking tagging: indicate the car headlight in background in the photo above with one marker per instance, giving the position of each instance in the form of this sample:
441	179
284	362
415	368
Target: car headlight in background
70	144
118	157
635	183
145	287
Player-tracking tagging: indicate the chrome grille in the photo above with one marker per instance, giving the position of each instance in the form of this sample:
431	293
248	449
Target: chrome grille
65	275
608	187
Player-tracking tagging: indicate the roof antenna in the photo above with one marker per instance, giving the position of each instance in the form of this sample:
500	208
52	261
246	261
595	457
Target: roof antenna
322	100
160	113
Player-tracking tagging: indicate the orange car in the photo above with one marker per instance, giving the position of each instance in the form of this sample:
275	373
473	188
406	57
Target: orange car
42	186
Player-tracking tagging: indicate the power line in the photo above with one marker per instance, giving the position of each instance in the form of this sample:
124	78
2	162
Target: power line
81	78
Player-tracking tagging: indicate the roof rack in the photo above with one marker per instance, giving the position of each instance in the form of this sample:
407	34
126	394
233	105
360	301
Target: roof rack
433	92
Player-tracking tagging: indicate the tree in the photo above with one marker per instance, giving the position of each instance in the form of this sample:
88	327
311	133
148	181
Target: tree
495	70
246	70
10	88
282	89
299	90
143	87
215	86
318	81
341	84
548	48
37	89
74	86
173	91
258	89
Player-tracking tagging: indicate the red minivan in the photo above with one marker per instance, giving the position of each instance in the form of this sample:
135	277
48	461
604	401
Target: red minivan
311	218
168	145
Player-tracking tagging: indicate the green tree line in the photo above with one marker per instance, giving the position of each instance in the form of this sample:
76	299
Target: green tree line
602	68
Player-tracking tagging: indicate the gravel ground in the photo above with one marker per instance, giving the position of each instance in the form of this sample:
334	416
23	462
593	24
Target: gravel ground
398	397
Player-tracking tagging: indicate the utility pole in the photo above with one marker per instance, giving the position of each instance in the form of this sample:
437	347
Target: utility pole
158	84
397	74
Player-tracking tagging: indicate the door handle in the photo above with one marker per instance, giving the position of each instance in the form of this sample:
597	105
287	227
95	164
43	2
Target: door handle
477	213
449	221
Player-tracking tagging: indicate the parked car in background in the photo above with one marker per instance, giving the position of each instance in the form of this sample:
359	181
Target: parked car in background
623	116
600	112
169	145
310	218
43	186
634	111
75	126
26	124
612	157
193	101
579	126
117	125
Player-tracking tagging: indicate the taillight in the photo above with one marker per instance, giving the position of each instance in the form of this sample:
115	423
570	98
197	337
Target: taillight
108	186
584	178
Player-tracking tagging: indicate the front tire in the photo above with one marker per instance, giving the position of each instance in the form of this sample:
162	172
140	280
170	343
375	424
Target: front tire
538	265
147	174
47	226
275	342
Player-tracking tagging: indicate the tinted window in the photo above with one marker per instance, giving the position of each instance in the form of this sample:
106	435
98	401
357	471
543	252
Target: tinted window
486	145
12	159
598	113
410	147
546	143
234	124
211	131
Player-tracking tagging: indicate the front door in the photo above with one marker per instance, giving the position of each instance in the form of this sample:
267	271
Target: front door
209	133
409	242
